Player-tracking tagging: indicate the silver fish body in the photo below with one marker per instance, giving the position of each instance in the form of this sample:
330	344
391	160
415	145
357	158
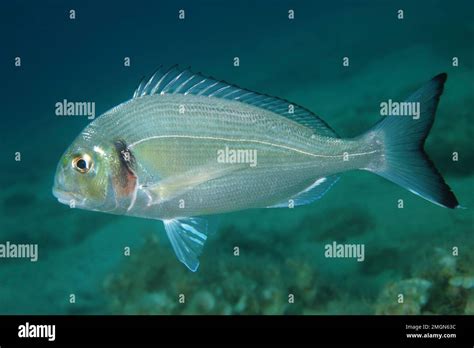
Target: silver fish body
186	146
171	144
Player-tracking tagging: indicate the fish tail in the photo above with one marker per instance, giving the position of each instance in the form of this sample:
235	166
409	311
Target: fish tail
401	142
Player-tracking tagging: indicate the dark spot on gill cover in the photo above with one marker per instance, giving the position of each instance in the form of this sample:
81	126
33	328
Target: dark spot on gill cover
126	178
126	157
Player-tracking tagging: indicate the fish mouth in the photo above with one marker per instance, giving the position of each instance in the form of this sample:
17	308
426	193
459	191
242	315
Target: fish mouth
67	198
62	196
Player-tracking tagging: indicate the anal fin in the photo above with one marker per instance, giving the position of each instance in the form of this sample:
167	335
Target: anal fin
310	194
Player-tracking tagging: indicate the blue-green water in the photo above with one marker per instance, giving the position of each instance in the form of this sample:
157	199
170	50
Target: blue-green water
408	251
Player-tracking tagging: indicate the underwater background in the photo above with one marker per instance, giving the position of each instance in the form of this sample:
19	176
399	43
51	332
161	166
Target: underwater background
408	251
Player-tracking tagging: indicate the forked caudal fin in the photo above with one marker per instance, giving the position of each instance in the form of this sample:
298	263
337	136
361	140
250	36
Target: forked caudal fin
404	160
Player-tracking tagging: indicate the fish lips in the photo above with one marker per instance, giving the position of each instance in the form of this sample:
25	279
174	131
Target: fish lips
63	196
67	198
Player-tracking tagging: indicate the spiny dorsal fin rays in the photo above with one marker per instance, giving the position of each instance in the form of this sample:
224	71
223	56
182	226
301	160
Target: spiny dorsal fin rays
195	87
176	80
153	82
218	91
161	82
190	78
139	89
170	84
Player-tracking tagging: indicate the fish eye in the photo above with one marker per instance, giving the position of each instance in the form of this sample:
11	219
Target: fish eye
82	163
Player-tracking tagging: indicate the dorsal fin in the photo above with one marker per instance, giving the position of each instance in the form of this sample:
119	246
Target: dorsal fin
176	80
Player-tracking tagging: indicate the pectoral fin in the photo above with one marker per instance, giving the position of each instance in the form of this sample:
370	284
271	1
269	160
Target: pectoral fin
187	236
173	186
